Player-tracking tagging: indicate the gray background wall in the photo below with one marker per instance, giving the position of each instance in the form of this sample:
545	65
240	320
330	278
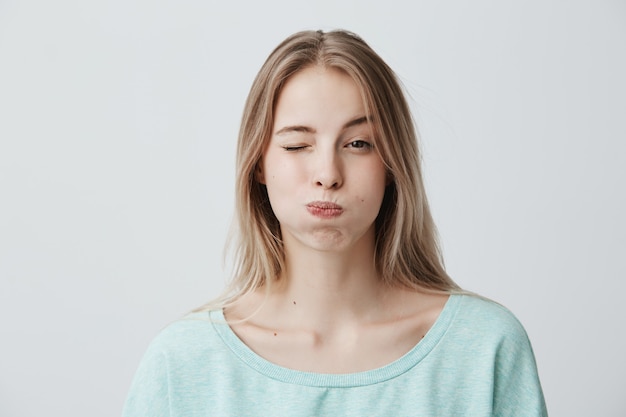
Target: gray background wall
118	122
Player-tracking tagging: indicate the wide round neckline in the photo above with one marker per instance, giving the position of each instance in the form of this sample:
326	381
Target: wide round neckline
374	376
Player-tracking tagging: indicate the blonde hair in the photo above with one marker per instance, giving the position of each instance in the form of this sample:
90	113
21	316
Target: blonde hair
407	252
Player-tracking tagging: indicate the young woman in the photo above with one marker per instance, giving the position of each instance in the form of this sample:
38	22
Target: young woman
340	304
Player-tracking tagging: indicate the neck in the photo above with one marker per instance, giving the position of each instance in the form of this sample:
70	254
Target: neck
321	288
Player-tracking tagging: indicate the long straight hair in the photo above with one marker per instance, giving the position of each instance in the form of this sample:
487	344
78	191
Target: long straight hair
407	252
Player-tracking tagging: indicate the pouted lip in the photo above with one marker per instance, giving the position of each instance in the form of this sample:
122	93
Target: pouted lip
324	205
324	209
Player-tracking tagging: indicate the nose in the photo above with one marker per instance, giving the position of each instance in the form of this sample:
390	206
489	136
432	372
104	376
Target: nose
328	173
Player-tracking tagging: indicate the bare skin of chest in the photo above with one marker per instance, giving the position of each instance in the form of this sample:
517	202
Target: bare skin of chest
346	344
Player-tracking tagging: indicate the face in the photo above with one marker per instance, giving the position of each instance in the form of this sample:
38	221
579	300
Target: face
324	178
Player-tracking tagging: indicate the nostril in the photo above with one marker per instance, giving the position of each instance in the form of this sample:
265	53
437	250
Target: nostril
327	185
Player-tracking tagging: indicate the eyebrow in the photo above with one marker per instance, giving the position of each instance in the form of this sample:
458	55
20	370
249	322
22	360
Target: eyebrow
307	129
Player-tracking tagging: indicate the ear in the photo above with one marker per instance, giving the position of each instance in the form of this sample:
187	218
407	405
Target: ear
258	173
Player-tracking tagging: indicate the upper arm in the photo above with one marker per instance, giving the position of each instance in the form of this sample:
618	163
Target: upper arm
517	390
149	394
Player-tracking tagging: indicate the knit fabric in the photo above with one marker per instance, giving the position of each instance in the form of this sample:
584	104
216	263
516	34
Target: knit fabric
475	361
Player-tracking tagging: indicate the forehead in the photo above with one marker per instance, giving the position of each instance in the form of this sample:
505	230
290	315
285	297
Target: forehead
319	94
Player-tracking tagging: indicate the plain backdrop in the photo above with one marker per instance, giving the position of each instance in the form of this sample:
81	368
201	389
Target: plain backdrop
118	122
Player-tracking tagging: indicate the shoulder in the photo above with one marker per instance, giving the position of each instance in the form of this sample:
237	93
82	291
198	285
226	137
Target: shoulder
187	338
490	337
482	327
176	365
185	326
484	315
183	351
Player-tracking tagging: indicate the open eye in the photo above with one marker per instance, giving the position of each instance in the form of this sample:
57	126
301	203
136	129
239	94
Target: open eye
360	144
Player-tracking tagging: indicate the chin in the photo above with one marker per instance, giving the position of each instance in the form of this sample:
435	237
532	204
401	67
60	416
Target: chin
328	242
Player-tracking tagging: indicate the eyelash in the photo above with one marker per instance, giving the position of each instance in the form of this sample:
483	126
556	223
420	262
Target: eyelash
361	144
294	148
358	144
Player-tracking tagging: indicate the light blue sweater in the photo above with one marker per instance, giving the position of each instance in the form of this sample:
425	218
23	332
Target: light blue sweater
475	361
